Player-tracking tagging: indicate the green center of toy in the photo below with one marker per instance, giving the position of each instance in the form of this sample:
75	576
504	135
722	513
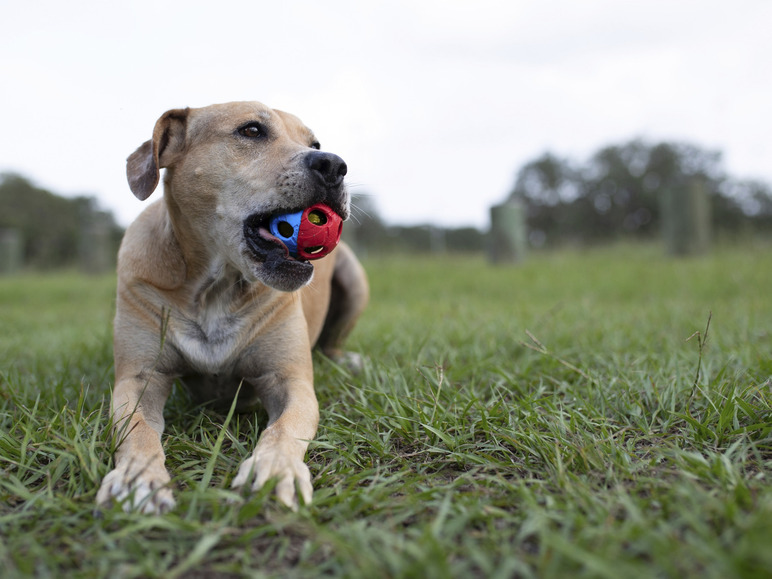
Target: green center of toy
317	218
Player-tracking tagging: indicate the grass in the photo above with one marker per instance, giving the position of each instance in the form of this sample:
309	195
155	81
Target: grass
601	414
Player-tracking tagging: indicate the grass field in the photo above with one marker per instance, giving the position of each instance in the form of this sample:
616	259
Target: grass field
587	414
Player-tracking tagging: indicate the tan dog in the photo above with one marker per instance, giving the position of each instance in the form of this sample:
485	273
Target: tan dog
208	297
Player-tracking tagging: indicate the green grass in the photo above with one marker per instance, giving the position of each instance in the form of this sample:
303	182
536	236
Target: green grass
548	420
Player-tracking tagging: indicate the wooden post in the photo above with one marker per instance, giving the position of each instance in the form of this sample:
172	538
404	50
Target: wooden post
686	219
11	251
508	233
95	247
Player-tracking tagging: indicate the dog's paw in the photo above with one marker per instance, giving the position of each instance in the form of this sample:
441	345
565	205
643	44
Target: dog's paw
144	490
351	361
271	462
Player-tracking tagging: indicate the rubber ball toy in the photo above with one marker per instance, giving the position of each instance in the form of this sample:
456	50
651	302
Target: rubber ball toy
308	234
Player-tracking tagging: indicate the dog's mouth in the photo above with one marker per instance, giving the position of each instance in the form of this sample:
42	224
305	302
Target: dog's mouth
273	264
283	244
298	236
264	245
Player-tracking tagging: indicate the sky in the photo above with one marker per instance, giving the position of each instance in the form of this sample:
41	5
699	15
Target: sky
433	104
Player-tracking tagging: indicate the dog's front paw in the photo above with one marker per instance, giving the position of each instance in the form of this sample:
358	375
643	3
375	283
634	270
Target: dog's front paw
145	490
274	461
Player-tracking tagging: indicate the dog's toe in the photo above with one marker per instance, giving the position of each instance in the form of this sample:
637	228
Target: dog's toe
267	464
146	491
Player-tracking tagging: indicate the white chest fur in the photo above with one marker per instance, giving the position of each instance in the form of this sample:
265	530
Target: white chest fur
214	330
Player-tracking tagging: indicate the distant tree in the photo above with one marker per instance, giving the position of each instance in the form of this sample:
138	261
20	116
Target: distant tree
548	180
547	186
745	204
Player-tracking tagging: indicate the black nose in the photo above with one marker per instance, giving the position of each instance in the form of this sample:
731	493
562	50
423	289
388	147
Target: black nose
326	166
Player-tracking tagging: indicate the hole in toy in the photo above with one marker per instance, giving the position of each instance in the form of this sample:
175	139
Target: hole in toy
314	250
285	229
317	217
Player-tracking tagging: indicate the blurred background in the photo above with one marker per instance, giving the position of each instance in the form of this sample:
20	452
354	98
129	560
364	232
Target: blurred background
467	125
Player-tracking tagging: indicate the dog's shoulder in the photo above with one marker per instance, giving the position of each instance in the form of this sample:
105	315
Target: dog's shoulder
150	251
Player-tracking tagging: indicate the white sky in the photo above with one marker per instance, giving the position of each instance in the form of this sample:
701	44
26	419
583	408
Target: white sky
434	104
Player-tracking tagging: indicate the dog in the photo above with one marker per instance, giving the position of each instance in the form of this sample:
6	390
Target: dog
208	297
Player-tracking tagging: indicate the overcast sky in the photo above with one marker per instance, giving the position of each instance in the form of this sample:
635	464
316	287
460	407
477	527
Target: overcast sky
434	105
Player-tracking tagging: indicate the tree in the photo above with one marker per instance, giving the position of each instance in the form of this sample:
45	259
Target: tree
547	186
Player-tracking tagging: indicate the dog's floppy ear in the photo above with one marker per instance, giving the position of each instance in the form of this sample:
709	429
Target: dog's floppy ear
143	167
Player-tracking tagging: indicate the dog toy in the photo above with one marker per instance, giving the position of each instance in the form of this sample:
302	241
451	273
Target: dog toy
311	233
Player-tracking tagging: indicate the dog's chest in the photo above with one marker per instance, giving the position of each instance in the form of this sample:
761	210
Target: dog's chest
209	342
212	333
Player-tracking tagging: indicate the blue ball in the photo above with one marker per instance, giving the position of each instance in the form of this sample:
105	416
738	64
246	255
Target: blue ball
286	227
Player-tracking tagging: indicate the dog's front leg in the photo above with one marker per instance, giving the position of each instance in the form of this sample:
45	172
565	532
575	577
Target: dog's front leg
293	414
139	480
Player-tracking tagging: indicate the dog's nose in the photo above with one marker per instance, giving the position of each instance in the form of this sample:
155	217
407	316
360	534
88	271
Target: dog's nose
328	167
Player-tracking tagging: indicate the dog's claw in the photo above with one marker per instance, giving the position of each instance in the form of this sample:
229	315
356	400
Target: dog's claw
146	491
266	464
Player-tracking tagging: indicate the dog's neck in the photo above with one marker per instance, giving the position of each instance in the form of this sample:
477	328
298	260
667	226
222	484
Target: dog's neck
223	283
212	280
197	254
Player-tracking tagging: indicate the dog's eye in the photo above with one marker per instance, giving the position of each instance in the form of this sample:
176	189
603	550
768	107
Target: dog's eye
316	145
252	130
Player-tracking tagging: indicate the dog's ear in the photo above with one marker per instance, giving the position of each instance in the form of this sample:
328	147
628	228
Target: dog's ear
143	167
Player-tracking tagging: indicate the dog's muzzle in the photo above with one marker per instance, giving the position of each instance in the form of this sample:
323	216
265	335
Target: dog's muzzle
285	256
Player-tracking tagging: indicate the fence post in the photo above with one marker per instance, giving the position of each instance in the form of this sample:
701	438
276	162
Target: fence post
686	218
11	251
95	247
508	232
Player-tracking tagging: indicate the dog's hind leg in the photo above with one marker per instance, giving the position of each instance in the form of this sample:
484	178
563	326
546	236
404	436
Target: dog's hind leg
349	295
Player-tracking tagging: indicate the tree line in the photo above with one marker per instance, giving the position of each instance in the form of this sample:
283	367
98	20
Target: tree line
615	194
368	232
618	193
54	231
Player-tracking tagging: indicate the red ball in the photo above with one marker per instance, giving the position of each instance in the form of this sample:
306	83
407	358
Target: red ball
319	234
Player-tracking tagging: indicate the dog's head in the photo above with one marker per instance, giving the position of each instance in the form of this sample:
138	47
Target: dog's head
229	169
